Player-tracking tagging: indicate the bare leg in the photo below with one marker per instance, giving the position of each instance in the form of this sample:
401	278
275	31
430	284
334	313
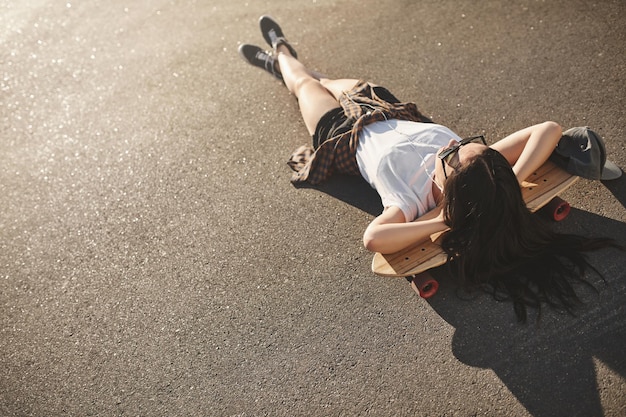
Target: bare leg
316	94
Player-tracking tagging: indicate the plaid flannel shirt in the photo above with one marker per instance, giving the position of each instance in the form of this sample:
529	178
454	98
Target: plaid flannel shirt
338	154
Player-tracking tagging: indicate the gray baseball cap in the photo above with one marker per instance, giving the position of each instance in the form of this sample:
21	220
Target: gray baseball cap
581	152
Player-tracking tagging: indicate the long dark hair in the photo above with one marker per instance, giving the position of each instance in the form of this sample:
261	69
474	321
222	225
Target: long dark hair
497	244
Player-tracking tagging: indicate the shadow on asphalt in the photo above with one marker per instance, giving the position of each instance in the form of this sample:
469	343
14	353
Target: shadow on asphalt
549	365
351	189
618	189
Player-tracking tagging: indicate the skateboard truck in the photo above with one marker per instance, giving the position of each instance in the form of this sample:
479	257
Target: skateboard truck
557	209
423	284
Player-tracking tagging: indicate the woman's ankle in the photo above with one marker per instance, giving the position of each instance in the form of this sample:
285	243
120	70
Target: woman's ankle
283	49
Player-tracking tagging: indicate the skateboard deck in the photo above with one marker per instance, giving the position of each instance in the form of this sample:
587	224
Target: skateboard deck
539	190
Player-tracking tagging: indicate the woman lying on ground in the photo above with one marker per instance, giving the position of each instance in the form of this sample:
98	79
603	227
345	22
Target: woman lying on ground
421	168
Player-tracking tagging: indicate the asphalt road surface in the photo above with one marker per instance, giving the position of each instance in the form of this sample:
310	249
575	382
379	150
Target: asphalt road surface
155	259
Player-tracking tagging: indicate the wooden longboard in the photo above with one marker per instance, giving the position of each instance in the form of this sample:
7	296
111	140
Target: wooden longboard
538	190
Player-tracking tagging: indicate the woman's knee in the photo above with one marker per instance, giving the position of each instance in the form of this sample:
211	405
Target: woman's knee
337	87
307	85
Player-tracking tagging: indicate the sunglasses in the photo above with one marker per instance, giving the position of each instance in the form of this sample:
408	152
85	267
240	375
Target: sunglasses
447	155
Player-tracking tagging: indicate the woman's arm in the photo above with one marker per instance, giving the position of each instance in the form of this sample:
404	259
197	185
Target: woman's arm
389	232
527	149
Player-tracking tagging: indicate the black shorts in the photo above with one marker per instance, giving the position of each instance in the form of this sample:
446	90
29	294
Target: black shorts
335	122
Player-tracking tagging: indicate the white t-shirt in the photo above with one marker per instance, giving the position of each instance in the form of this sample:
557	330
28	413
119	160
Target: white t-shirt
397	158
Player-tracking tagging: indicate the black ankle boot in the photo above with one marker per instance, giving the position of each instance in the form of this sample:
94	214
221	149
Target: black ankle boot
273	34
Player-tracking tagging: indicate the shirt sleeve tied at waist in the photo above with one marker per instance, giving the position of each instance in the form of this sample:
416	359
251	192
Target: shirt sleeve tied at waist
362	105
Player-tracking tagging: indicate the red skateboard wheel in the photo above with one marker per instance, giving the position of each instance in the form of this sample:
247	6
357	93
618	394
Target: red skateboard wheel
557	209
425	285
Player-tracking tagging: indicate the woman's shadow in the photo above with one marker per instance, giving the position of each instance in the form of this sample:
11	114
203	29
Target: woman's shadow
351	189
551	366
